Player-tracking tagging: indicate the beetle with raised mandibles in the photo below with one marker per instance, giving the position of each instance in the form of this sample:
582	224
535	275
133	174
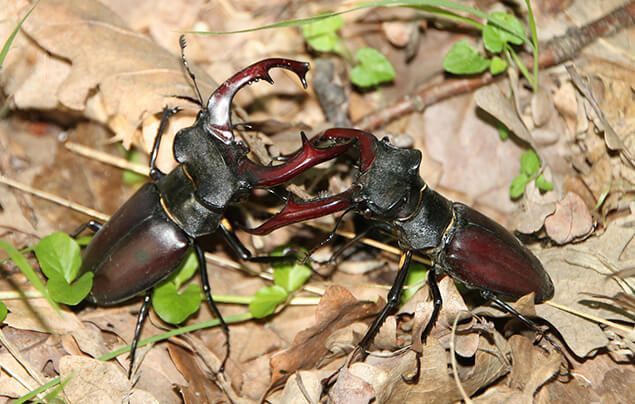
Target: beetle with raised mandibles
151	234
460	241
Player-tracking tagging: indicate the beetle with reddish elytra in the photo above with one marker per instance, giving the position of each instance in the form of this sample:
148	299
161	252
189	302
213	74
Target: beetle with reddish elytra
151	234
461	242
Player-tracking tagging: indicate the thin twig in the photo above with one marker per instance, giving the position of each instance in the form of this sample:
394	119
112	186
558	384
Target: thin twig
455	372
554	52
107	158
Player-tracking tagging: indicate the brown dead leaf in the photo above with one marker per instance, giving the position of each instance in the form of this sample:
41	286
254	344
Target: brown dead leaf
94	381
580	270
199	387
534	208
112	74
477	166
532	367
351	388
337	308
12	374
435	383
303	387
570	221
492	100
466	343
38	315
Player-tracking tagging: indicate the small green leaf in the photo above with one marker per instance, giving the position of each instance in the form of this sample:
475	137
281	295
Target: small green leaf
416	277
84	240
464	59
186	271
529	163
543	184
373	68
292	276
174	306
497	65
3	311
508	26
59	255
517	188
266	300
71	294
502	28
322	35
130	177
503	132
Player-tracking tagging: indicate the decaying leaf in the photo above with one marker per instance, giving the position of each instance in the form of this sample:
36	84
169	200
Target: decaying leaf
90	380
337	309
580	270
570	221
38	315
98	67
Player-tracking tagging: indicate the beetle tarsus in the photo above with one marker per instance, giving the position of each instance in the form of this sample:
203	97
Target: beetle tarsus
141	318
91	225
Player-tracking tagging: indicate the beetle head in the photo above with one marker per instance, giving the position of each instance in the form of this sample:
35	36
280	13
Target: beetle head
389	188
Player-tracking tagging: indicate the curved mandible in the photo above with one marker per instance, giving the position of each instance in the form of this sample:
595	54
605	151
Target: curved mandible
365	140
219	103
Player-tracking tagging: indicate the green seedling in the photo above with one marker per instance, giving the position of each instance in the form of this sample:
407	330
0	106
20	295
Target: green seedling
529	170
372	69
287	278
414	281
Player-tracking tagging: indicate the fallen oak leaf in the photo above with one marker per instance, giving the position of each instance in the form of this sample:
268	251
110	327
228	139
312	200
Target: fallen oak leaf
338	308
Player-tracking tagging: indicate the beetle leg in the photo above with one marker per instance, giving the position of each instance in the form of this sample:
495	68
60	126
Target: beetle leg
92	225
437	301
294	212
392	300
155	173
243	252
207	290
141	318
489	295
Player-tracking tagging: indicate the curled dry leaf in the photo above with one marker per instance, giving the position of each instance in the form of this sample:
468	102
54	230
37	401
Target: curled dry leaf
542	106
435	383
303	387
578	272
570	221
492	100
351	387
338	308
533	210
93	381
98	67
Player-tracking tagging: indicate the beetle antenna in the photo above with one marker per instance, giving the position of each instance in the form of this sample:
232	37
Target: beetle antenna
183	44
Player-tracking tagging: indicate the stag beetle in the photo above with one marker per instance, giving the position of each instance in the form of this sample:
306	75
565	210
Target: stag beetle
152	233
465	244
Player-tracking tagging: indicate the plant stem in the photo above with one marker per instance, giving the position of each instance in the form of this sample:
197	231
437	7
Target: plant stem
534	43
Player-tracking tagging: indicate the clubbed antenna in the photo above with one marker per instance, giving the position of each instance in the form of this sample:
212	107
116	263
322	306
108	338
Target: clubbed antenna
183	44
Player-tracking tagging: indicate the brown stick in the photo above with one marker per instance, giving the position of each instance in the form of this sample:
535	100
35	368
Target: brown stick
556	51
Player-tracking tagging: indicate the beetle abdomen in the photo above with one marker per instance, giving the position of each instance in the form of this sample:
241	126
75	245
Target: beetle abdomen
483	254
138	247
